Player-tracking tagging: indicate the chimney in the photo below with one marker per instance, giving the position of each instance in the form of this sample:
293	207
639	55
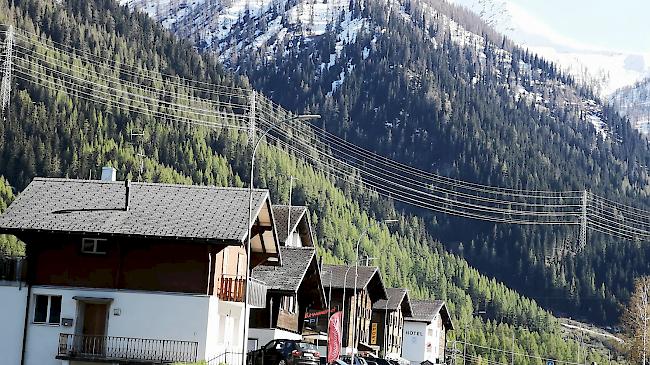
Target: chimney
108	173
127	185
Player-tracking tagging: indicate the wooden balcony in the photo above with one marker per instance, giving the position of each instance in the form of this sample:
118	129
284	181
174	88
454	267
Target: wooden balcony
125	349
233	289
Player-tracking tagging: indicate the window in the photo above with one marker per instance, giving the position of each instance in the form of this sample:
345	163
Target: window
47	309
289	304
95	246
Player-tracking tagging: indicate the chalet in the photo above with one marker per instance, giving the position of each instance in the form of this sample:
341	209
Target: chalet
292	288
293	226
355	304
425	332
134	272
388	322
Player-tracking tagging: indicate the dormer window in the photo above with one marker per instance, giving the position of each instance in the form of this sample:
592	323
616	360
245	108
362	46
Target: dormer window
94	246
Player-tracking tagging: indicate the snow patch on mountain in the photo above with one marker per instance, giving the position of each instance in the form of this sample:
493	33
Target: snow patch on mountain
272	28
634	102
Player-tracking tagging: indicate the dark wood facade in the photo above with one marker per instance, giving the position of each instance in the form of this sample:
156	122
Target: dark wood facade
279	313
390	325
134	264
360	304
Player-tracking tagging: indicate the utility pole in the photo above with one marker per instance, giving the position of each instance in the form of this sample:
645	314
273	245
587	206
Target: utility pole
454	354
512	355
5	87
583	221
465	344
140	152
251	116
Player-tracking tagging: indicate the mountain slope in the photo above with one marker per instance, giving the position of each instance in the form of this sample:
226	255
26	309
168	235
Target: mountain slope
430	85
634	102
62	131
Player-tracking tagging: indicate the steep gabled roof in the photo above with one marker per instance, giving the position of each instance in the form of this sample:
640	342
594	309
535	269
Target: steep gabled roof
427	310
287	278
294	219
397	297
299	270
369	278
202	213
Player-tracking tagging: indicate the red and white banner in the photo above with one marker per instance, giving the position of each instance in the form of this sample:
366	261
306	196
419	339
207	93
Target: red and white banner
334	337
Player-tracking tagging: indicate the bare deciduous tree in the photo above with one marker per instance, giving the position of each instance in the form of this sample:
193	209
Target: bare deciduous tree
636	320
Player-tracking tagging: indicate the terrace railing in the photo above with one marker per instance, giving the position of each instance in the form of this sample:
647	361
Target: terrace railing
107	348
232	288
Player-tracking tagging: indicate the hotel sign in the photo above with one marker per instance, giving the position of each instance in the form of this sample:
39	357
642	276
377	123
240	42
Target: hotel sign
373	334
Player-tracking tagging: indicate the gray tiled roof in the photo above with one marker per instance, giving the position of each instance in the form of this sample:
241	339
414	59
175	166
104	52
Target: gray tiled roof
397	297
155	210
369	279
281	216
426	311
295	263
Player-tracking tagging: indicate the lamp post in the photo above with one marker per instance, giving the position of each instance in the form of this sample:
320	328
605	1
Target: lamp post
345	281
329	313
250	221
356	278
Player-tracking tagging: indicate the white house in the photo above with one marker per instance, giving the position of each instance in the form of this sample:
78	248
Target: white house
120	272
425	332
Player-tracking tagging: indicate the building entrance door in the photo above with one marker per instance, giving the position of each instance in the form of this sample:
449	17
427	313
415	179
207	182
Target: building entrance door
94	328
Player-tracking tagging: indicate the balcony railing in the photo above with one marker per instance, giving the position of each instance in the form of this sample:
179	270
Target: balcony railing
232	288
107	348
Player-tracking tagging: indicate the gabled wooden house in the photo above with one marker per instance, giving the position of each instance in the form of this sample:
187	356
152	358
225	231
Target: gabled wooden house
388	322
293	287
356	303
123	271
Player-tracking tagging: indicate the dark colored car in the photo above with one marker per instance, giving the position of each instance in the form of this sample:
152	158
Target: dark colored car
377	361
357	360
285	352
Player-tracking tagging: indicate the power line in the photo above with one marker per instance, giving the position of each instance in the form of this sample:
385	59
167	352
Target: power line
324	151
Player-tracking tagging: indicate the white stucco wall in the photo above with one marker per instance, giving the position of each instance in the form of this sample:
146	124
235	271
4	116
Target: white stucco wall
414	341
230	333
141	315
265	335
421	341
12	319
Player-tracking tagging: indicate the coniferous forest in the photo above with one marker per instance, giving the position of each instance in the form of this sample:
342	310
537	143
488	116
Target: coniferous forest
477	132
414	93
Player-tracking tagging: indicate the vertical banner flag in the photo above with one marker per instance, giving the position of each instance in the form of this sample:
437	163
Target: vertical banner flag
334	337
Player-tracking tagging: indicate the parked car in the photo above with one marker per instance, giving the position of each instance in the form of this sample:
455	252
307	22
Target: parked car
285	352
377	360
357	360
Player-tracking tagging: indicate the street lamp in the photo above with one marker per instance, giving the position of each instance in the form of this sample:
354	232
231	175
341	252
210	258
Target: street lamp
356	278
345	282
250	220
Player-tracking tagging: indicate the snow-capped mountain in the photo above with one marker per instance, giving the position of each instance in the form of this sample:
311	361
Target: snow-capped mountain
268	29
634	102
430	85
604	70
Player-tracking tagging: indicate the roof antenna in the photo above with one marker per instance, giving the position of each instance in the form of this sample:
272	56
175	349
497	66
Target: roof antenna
140	152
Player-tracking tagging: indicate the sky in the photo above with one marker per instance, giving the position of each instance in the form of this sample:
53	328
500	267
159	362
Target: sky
618	25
